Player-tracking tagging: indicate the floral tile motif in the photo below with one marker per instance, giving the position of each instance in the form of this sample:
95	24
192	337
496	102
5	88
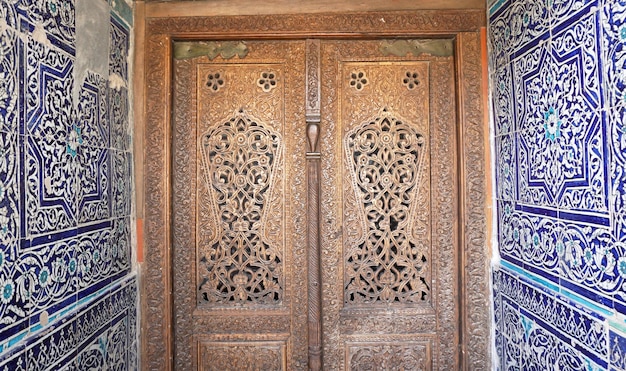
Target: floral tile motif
54	17
561	146
93	184
589	331
9	16
618	350
613	17
616	117
62	251
99	336
502	107
118	114
564	12
10	56
50	168
9	188
505	163
530	346
517	24
92	111
120	245
49	84
46	273
119	40
15	302
585	257
530	239
121	183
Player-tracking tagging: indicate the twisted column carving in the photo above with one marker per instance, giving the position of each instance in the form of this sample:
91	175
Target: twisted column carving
313	172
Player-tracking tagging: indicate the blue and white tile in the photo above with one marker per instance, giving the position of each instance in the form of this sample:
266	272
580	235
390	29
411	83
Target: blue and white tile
561	147
10	56
50	180
94	187
53	19
566	319
9	16
530	241
590	261
613	37
517	25
121	244
616	118
9	188
119	46
564	12
505	165
92	114
49	85
15	297
617	357
48	267
121	183
502	106
82	340
118	116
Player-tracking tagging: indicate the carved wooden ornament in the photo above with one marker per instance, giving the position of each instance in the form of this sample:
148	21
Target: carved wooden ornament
325	209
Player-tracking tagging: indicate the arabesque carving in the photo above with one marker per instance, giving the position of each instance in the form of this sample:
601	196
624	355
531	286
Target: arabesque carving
239	265
242	356
389	356
160	233
388	263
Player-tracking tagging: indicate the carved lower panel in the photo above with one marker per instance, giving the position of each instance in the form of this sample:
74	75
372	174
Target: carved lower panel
388	355
385	322
242	356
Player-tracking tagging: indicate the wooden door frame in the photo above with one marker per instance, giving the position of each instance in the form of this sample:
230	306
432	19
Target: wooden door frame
152	142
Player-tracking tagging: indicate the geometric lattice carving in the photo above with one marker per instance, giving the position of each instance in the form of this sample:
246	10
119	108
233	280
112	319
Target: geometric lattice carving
387	264
240	266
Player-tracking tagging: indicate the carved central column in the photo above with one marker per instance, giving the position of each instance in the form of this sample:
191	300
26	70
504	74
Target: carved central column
313	174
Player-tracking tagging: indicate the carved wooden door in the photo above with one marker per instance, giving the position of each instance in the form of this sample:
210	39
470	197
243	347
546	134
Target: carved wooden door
314	197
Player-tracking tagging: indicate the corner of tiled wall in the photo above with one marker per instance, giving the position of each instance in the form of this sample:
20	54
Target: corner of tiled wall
558	90
68	290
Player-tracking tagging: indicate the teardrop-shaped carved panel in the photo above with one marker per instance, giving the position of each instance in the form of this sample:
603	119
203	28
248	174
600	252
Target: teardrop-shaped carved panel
239	265
386	264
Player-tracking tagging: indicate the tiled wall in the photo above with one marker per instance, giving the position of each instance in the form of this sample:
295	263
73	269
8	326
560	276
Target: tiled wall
558	86
67	286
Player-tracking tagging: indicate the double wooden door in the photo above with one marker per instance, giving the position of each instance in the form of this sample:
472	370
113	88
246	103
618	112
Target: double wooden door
321	225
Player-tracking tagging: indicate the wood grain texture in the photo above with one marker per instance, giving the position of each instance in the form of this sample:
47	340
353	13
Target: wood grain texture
252	7
473	324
